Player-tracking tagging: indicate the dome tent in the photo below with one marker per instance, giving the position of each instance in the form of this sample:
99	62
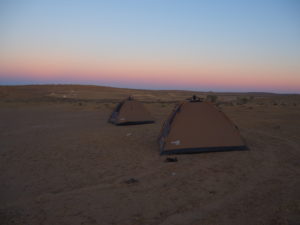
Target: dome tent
130	112
196	126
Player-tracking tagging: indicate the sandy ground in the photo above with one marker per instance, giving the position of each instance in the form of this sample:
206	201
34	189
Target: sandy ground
62	163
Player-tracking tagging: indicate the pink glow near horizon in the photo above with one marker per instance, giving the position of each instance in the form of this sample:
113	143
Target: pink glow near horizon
155	78
177	73
169	72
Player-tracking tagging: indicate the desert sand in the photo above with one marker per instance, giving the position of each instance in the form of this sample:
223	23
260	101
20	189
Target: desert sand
61	163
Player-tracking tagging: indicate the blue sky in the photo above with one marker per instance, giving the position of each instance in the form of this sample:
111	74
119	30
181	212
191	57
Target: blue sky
256	44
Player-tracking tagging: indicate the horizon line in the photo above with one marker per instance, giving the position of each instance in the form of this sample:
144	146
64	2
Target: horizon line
151	89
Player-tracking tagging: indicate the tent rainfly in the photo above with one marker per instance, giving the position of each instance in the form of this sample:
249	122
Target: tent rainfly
130	112
196	126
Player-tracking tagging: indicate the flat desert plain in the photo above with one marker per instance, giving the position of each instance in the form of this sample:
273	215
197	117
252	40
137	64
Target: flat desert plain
62	163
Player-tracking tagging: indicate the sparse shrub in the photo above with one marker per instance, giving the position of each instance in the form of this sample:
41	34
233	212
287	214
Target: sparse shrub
222	103
107	105
211	98
242	100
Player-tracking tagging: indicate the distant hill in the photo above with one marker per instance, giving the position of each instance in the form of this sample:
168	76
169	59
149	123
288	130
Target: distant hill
110	94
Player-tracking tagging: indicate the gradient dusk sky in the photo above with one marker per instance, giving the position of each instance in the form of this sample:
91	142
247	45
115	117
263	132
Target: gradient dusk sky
212	45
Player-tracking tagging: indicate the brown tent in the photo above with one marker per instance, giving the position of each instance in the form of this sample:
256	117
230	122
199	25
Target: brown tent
129	112
197	126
